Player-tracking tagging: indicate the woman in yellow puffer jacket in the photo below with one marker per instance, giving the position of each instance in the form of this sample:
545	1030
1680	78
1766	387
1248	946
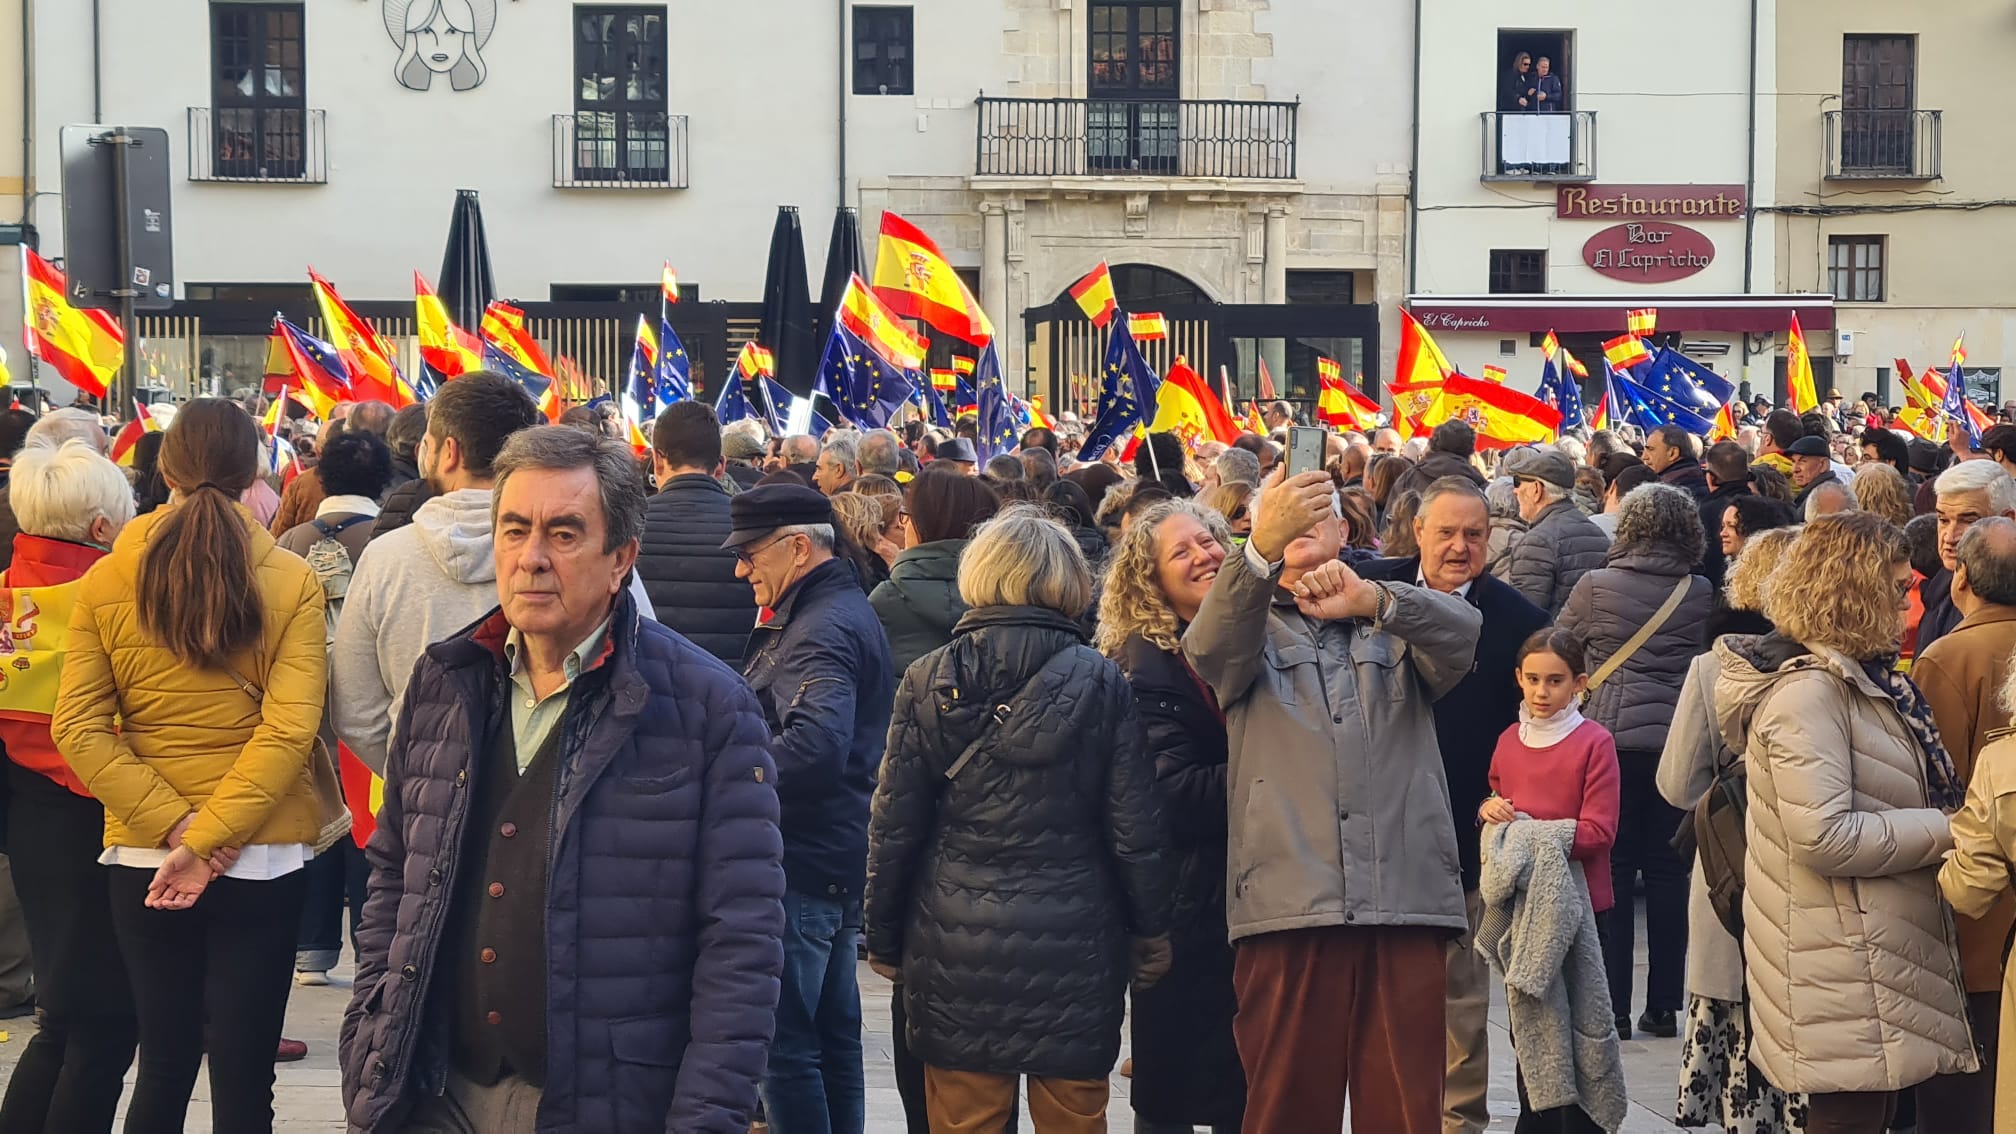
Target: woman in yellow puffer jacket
188	706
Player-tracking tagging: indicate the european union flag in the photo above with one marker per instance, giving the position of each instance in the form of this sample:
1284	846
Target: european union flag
1126	392
777	403
996	421
1955	405
1649	409
1561	392
535	383
934	404
732	404
675	370
1681	380
870	387
330	373
637	391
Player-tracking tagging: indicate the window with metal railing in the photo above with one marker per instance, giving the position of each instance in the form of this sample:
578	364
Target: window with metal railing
258	126
619	132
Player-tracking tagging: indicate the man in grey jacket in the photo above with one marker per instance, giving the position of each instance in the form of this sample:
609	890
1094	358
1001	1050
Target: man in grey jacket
1561	544
1344	881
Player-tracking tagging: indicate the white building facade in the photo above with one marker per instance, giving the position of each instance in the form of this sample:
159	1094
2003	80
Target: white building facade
1217	152
1621	182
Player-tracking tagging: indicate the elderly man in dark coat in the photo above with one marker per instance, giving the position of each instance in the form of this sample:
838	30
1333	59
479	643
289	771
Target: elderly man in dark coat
1451	530
574	910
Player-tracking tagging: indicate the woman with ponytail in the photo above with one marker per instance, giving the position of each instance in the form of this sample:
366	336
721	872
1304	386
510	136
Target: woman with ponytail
188	706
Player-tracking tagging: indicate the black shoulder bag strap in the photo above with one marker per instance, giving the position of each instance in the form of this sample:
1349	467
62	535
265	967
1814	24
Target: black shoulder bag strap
995	720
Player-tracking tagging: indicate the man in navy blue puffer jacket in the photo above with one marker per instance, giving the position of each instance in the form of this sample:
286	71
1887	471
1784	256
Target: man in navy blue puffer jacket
574	915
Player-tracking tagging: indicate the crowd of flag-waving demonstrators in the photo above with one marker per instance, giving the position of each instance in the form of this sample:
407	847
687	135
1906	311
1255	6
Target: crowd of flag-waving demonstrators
612	753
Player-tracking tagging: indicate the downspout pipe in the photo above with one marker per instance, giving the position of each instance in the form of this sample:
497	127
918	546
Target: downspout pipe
1414	163
840	7
97	67
1750	190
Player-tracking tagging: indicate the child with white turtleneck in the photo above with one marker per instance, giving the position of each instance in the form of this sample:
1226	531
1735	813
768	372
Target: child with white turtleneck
1555	764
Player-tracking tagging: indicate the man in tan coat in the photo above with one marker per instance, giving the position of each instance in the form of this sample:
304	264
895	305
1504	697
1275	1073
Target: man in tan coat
1961	675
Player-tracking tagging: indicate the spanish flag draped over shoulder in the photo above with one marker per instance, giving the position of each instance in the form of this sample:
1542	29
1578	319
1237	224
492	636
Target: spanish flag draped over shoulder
1799	371
374	375
913	277
86	346
1503	417
1186	407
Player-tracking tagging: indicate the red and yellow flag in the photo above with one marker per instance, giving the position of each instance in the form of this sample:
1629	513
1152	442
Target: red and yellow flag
871	320
1626	351
1417	376
1094	295
917	282
1254	423
504	328
142	424
1642	321
1494	373
1340	403
85	346
374	376
1186	407
447	348
754	361
1148	327
668	284
1799	371
1503	417
963	366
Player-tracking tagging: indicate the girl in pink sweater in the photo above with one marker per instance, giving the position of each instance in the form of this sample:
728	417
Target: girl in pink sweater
1554	764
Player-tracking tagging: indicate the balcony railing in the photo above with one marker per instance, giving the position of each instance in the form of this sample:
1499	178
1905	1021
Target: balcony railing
1075	137
1540	147
619	149
1892	145
263	144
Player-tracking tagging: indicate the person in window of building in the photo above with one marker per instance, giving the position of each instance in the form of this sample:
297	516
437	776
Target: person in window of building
1186	1064
70	503
819	665
574	910
1516	91
690	579
1962	675
1018	873
1451	530
1659	539
1340	937
1849	790
188	705
1548	97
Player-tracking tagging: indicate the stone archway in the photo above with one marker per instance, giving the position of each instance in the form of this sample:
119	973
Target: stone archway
1151	287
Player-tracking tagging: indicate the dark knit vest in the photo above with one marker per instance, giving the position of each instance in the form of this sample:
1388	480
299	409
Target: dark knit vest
496	940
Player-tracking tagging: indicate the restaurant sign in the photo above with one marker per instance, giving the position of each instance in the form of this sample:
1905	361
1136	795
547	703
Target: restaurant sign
1648	253
1688	203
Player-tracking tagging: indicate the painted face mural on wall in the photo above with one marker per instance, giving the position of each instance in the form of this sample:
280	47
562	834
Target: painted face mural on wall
440	37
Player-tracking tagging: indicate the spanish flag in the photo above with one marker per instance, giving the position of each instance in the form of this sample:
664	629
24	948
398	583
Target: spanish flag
1418	375
447	348
1254	423
86	346
944	381
1149	326
1494	374
1186	407
1625	352
504	328
1502	417
1641	321
1340	403
754	361
913	277
871	320
374	376
668	285
1799	371
142	424
1094	295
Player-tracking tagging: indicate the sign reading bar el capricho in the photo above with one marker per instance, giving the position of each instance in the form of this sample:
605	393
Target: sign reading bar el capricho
1649	202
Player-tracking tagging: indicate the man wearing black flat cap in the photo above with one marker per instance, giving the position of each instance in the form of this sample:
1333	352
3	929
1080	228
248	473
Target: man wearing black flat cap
819	665
1812	466
958	455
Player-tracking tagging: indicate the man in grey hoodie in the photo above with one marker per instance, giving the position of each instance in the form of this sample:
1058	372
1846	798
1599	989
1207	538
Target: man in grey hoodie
420	584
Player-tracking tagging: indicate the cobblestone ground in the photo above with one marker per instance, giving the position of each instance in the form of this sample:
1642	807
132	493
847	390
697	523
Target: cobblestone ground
307	1098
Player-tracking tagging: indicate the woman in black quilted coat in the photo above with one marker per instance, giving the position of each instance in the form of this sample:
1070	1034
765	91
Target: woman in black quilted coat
1186	1065
1016	869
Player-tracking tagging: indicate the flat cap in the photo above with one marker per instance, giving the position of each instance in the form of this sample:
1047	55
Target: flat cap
957	449
1808	446
767	507
740	447
1541	463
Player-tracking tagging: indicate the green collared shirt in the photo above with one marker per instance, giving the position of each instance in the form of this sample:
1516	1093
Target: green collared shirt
533	718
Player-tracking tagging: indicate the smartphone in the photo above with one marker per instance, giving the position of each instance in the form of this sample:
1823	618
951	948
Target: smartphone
1305	449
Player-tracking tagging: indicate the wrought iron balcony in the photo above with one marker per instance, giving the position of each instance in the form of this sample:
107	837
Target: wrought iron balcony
1076	137
1522	146
265	144
619	149
1883	145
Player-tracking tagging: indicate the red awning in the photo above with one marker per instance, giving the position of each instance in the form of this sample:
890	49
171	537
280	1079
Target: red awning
1756	314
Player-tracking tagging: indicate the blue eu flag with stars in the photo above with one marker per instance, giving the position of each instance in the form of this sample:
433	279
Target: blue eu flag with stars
1127	392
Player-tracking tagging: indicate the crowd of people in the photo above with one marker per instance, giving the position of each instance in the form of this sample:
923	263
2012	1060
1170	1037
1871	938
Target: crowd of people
1273	775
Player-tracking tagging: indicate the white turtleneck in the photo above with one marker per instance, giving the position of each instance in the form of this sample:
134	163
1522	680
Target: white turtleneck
1546	732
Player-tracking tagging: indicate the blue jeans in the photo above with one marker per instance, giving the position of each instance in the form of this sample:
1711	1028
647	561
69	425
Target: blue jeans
814	1083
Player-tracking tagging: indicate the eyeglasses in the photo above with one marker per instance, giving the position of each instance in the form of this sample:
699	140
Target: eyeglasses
747	555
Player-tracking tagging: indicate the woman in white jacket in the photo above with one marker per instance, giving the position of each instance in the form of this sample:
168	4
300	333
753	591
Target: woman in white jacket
1853	973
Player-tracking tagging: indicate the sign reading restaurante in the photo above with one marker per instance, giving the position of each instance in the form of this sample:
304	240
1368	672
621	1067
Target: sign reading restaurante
1649	202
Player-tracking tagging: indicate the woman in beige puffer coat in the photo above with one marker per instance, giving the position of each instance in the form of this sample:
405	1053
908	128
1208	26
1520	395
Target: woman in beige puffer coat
1853	972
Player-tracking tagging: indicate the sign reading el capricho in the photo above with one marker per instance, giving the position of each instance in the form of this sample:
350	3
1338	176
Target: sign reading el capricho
1648	253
